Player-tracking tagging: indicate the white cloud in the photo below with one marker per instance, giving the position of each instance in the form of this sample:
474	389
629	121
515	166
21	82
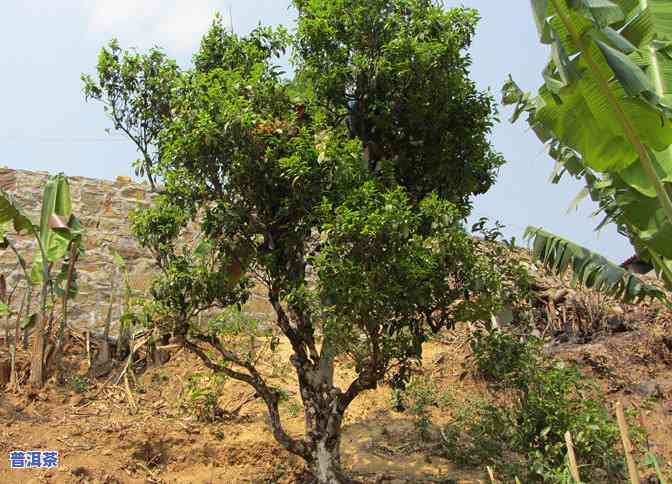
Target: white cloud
176	25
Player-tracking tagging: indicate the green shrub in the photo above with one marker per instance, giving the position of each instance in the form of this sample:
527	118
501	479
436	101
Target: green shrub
524	435
80	384
293	408
419	395
468	441
201	397
500	358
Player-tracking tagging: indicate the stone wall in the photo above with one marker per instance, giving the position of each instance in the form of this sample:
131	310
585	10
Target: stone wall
103	207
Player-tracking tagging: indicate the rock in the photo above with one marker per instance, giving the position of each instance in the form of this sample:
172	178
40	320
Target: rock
648	389
667	341
665	386
81	472
616	324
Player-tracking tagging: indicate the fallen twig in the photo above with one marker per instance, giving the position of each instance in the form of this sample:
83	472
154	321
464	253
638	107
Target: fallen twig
627	445
129	394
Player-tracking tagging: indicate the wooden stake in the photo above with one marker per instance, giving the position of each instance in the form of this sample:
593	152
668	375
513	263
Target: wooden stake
13	378
88	347
573	467
627	445
491	474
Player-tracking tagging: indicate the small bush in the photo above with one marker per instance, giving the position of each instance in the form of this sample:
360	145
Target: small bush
525	435
500	358
293	408
418	396
469	441
201	397
80	384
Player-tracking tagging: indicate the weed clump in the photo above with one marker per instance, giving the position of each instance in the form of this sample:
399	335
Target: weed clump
540	399
201	395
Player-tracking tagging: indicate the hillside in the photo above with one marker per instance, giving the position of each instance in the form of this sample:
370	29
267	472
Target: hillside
151	432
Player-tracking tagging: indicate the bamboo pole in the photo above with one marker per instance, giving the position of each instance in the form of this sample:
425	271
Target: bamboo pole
88	347
491	474
627	445
13	377
573	467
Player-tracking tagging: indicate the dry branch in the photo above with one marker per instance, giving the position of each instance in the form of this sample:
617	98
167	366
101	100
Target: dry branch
573	467
627	445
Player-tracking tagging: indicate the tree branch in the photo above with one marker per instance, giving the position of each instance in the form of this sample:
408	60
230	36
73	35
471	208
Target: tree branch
254	379
295	338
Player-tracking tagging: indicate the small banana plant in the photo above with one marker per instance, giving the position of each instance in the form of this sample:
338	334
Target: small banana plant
58	235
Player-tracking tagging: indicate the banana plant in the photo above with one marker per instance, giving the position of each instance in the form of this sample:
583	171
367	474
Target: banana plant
589	269
57	233
605	109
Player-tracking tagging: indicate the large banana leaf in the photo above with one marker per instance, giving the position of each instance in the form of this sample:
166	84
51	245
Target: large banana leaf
56	225
11	212
605	108
589	269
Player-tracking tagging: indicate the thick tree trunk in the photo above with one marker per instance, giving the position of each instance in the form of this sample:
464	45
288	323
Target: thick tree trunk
324	416
326	463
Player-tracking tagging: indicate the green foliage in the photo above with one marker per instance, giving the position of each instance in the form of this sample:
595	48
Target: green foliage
479	434
524	433
244	336
396	70
652	461
302	173
293	408
501	358
58	237
12	212
387	258
515	280
80	384
57	229
135	91
419	395
222	49
605	110
201	395
193	279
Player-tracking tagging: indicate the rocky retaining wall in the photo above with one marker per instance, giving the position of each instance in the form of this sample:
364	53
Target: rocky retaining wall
103	207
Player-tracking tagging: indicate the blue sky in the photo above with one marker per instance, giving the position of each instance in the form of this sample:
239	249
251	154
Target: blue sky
45	124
